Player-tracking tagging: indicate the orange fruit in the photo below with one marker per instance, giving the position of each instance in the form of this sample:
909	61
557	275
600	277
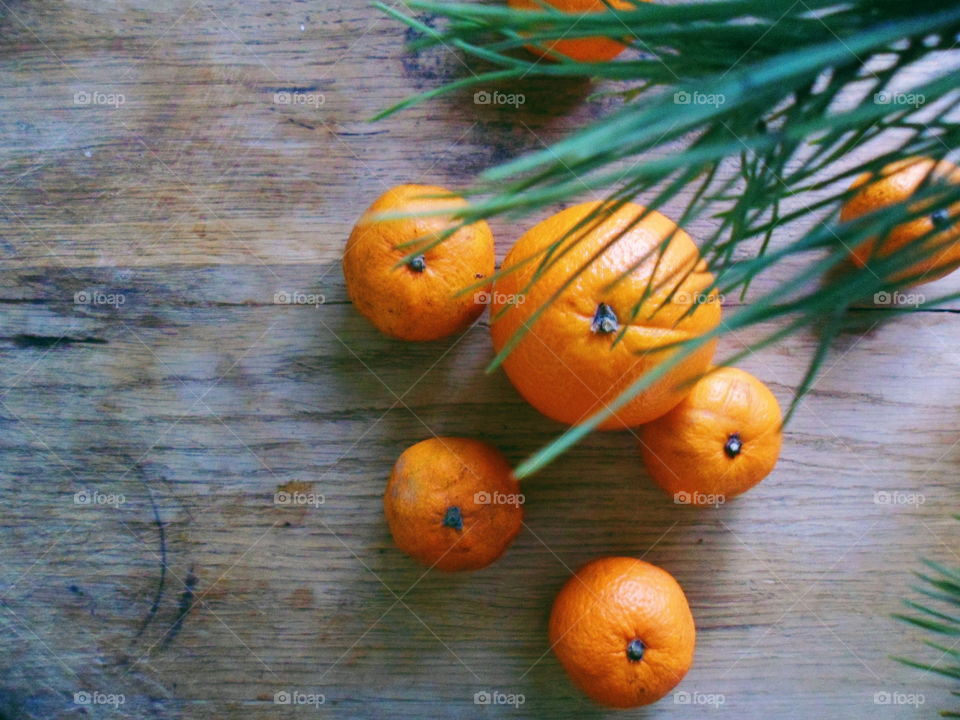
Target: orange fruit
453	503
588	49
416	301
623	631
567	365
721	440
897	183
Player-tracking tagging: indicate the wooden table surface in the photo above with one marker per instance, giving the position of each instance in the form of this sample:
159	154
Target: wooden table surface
157	194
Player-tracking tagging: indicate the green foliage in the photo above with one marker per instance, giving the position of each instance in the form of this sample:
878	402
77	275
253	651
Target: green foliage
939	617
795	109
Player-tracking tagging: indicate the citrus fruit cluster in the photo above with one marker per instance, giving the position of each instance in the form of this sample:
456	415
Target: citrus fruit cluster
586	303
591	301
622	628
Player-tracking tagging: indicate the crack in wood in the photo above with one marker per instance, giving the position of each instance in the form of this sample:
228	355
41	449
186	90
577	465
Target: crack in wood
44	342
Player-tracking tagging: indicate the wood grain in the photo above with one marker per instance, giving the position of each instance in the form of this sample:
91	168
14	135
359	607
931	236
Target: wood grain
186	390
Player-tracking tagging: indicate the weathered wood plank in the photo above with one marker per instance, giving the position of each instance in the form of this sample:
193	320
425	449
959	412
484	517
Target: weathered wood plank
208	431
198	397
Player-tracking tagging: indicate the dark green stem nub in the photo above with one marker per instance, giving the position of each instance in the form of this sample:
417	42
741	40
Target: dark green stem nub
604	320
940	218
635	650
734	445
418	263
453	518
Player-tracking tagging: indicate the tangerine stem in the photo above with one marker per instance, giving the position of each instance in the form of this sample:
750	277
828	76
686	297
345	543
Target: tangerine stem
453	518
733	445
604	320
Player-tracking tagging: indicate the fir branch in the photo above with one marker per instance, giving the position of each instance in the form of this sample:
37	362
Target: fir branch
944	588
780	68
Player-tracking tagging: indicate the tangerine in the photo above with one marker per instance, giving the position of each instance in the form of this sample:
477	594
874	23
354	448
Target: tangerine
623	631
418	300
453	503
897	182
720	441
567	365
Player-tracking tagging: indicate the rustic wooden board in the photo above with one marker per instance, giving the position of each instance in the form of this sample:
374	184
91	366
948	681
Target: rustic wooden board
198	397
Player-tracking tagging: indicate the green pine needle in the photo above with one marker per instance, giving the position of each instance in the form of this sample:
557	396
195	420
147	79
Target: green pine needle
941	587
777	71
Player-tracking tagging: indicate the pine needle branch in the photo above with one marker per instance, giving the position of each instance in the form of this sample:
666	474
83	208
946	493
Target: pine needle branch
944	588
793	91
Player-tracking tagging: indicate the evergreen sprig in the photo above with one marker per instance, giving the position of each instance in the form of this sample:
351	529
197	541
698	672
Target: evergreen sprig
797	88
938	614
